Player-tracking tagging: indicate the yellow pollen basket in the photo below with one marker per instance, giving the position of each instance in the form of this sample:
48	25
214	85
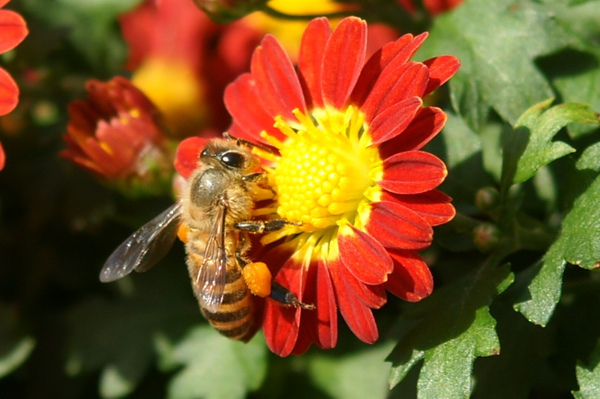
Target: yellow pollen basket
326	168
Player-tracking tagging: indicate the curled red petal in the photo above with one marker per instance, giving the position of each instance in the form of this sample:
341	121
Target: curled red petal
363	256
399	51
2	157
9	93
441	69
411	279
412	172
276	80
345	55
394	120
188	155
372	296
396	226
426	124
310	60
247	110
358	316
396	83
433	206
13	28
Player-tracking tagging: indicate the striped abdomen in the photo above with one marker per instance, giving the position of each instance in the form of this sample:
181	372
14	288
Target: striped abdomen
235	317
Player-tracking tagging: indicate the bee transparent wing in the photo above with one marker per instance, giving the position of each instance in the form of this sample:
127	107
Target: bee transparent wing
212	276
144	248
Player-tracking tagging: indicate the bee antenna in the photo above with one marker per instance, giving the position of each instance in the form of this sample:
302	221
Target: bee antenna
247	143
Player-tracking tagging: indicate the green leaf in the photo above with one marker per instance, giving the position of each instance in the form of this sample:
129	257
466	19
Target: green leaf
361	374
463	156
118	336
590	158
15	346
497	43
588	376
456	329
214	367
446	372
538	126
91	26
578	243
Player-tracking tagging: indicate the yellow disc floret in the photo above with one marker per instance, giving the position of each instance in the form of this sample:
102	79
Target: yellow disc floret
325	170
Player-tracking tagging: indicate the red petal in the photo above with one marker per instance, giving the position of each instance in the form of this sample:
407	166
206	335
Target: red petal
9	93
412	172
344	55
425	126
246	108
310	61
2	157
394	120
276	80
399	52
13	28
433	206
282	324
358	316
372	296
441	69
188	155
396	226
411	279
396	83
322	320
363	256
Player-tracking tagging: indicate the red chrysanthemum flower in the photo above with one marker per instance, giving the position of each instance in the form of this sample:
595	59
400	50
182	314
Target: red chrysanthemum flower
13	30
347	169
117	134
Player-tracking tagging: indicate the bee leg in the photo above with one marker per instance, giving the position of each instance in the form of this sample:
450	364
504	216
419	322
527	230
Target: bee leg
260	226
258	276
287	298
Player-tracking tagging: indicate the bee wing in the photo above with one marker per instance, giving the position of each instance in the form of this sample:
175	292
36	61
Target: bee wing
144	248
212	276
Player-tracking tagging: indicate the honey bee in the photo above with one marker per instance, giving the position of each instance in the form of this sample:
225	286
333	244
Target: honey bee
216	214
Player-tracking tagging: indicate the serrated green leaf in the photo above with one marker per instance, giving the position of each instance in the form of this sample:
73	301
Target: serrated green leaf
578	243
446	372
539	125
588	376
456	329
543	288
362	374
15	346
497	43
214	367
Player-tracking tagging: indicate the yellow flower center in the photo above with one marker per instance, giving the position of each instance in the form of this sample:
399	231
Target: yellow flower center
325	171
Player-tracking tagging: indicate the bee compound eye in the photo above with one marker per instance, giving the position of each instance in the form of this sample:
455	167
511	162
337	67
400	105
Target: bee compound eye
233	159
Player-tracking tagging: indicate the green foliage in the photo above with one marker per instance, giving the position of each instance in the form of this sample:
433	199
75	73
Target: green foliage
515	309
588	376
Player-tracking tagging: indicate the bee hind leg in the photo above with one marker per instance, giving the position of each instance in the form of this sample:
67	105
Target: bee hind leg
287	298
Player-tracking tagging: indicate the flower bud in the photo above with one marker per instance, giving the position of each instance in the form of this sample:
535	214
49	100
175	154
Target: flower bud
117	135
